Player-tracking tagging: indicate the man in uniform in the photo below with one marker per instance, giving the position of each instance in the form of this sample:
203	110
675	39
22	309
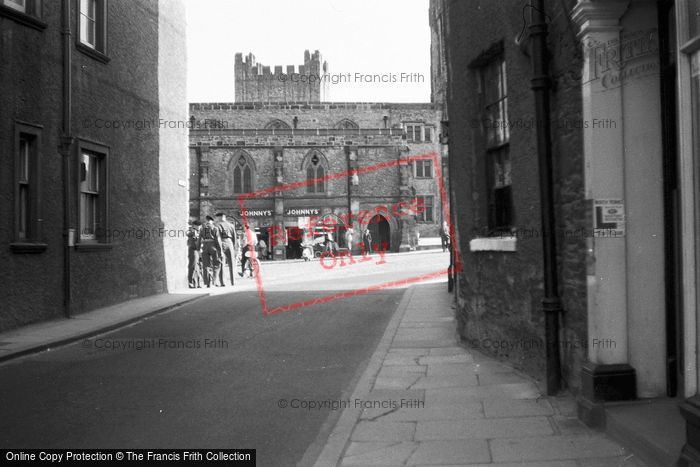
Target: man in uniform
194	247
227	232
211	252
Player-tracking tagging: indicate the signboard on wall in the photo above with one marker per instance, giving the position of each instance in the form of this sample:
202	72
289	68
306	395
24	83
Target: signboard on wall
256	213
608	218
302	212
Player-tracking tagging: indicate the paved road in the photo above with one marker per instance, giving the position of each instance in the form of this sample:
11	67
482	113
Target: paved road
211	374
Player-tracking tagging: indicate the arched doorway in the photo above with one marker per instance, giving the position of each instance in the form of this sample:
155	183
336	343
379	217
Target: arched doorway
381	232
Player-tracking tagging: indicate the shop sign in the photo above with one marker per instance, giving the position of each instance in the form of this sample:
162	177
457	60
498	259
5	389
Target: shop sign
608	218
302	212
255	212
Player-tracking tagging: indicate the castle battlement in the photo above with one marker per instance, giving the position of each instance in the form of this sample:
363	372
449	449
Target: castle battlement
255	82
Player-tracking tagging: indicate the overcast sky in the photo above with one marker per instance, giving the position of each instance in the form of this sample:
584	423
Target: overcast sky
386	37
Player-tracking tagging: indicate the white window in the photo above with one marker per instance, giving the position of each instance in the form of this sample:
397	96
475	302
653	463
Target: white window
92	24
27	188
424	168
91	196
24	201
19	5
413	131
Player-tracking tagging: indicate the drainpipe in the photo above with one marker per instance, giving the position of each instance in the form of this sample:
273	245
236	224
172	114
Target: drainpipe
551	303
65	151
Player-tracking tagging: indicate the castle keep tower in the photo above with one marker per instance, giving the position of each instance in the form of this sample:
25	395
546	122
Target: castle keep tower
256	83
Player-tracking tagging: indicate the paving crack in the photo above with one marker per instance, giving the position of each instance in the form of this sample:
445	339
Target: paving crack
373	419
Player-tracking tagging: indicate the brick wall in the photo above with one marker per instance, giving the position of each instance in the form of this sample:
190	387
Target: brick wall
145	166
499	293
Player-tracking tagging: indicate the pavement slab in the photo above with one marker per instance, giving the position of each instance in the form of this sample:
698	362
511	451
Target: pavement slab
469	409
450	452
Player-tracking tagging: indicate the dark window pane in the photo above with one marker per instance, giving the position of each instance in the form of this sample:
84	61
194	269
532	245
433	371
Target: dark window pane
320	184
310	175
237	180
247	180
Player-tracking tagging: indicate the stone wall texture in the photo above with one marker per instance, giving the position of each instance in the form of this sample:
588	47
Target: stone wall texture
223	131
499	293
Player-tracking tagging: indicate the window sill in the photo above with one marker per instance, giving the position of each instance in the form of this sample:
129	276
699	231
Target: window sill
22	18
89	51
28	247
93	246
493	244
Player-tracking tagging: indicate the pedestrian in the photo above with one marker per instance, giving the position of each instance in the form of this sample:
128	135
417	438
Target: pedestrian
194	256
348	239
227	232
445	236
211	252
262	248
367	239
247	249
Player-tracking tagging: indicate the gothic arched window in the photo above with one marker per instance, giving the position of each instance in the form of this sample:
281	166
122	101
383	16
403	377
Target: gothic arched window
315	171
277	124
347	124
242	176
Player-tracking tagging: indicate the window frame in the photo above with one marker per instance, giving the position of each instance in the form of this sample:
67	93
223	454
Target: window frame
30	15
423	163
101	152
247	165
421	216
416	129
500	207
322	165
33	235
98	50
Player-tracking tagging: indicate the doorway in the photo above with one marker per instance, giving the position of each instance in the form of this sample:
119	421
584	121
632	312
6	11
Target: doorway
381	232
295	237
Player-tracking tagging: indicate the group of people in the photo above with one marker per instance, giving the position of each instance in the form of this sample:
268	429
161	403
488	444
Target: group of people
214	247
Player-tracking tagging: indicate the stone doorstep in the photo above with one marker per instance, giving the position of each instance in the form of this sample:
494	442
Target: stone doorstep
652	429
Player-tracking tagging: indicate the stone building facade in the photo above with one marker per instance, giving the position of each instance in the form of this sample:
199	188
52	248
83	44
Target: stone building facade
497	199
290	142
624	106
94	155
257	83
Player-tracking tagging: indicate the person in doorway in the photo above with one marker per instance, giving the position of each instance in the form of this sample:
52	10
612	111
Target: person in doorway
348	239
211	252
367	240
227	232
194	256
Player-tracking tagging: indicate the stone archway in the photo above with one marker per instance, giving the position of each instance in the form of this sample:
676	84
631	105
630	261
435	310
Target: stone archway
380	229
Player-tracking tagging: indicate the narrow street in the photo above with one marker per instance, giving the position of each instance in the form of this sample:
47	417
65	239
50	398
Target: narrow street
212	373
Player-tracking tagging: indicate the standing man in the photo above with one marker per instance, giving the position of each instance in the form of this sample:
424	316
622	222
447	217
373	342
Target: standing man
348	239
211	251
445	236
194	247
228	238
247	249
367	238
